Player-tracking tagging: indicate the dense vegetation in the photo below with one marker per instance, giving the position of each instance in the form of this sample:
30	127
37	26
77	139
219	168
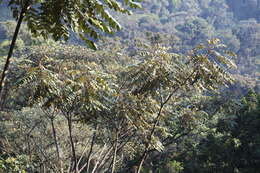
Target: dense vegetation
176	90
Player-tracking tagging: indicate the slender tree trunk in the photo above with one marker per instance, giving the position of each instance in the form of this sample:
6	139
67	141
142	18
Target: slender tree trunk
29	147
115	153
56	144
143	158
99	159
74	158
11	49
105	158
147	146
91	148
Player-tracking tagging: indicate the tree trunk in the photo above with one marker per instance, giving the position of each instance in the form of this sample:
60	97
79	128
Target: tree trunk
142	161
115	153
91	148
74	158
56	144
11	49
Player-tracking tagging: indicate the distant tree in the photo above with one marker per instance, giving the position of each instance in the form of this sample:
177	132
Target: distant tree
195	31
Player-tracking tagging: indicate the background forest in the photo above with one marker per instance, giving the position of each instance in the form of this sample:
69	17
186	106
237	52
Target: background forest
176	90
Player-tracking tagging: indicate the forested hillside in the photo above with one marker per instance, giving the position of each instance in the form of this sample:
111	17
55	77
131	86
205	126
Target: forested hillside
189	23
130	86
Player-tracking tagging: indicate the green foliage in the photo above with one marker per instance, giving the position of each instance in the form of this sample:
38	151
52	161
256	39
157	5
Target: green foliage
189	23
87	18
155	87
133	95
234	146
12	164
194	31
24	39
